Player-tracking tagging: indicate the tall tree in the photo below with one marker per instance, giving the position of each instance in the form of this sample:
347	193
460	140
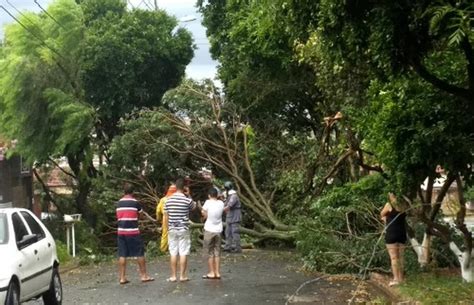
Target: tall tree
69	74
257	65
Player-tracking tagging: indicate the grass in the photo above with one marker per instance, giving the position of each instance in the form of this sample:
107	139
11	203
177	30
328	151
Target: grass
442	287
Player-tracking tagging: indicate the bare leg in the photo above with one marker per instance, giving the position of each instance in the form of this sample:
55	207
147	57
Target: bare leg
401	263
217	266
394	261
183	263
142	269
210	265
173	265
122	268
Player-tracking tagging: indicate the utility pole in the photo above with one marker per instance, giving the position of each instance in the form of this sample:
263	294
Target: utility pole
156	4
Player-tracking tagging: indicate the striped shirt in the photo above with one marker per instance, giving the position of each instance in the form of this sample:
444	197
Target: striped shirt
127	216
178	207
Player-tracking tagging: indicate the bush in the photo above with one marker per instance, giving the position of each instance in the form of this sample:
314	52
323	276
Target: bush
63	255
343	232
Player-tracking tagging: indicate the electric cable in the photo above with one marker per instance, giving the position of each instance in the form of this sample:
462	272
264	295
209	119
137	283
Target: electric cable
48	14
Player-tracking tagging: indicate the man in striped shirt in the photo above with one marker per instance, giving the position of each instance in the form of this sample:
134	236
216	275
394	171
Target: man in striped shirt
130	243
176	218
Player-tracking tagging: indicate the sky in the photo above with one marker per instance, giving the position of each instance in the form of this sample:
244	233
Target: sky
202	65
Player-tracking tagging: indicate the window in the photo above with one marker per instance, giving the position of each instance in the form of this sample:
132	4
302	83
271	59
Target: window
18	227
3	229
24	168
34	225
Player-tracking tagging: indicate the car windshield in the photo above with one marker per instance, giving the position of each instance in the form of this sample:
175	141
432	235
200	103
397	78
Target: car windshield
3	229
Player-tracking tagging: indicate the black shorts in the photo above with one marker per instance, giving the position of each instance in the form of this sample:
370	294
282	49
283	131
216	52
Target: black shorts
395	238
130	246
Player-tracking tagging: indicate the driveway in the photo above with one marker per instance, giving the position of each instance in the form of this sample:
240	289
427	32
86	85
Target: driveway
253	277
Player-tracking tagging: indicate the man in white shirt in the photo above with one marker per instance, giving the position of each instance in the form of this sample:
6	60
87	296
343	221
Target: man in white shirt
212	211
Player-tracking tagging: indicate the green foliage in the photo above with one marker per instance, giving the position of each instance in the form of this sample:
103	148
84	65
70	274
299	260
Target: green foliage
453	21
257	65
405	118
38	78
439	287
61	249
343	230
69	76
122	57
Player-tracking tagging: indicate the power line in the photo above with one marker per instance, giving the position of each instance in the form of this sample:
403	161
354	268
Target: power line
130	3
48	14
146	4
29	31
20	13
42	42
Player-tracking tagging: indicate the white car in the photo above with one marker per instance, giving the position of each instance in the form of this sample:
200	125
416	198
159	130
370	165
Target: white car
28	259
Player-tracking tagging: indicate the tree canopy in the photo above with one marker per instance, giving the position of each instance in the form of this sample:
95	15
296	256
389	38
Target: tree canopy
72	72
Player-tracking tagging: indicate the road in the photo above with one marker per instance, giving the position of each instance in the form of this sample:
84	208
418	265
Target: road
254	277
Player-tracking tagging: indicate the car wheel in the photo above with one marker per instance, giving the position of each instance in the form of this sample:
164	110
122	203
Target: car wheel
13	294
54	296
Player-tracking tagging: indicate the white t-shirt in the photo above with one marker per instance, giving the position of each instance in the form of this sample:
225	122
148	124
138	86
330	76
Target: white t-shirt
214	209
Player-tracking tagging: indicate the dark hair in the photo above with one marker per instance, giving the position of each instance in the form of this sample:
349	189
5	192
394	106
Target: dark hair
128	188
180	184
212	192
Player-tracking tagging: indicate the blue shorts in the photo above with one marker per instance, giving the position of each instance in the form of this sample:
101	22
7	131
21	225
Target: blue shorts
130	246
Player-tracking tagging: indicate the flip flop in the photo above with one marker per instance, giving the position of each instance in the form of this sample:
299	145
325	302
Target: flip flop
124	282
150	279
207	277
184	280
170	280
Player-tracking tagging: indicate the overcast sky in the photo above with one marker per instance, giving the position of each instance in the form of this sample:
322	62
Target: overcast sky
202	66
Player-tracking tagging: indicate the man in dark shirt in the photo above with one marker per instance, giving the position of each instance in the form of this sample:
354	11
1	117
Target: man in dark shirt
233	208
130	243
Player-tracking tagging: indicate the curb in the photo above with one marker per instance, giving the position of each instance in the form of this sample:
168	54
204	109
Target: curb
380	281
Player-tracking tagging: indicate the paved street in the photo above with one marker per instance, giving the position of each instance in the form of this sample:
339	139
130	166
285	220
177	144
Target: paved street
255	277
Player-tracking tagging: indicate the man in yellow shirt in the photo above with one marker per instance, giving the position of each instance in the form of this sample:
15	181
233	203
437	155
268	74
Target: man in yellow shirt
159	217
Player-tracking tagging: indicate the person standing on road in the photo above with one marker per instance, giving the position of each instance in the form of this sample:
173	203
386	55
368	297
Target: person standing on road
394	216
212	211
129	241
233	218
159	217
176	221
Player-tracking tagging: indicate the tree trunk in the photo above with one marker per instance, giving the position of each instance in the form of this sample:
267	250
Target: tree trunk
423	251
466	260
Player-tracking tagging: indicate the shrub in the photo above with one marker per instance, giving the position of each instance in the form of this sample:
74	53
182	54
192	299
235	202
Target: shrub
343	232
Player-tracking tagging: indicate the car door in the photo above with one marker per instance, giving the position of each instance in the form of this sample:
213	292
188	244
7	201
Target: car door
27	259
44	253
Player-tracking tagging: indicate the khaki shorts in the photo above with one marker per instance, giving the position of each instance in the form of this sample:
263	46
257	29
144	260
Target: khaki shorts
211	244
179	242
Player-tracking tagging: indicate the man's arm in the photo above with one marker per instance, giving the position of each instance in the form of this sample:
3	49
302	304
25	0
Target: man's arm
143	213
164	225
204	214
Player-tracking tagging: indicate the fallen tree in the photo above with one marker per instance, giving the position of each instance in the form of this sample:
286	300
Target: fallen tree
197	128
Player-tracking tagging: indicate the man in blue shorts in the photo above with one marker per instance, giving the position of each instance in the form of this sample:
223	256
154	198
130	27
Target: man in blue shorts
130	243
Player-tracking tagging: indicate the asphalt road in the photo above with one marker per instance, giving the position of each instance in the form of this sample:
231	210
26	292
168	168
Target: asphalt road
254	277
